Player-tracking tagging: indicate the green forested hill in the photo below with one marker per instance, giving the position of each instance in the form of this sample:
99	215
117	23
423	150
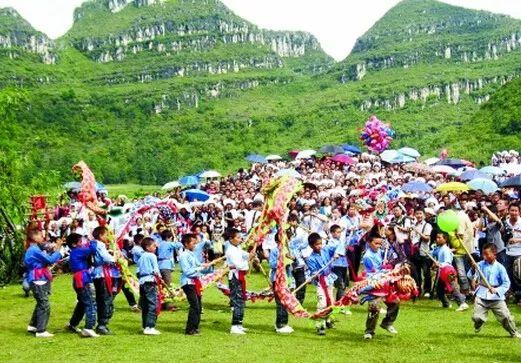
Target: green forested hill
145	91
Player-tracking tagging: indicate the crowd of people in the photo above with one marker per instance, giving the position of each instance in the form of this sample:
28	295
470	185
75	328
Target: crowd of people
349	221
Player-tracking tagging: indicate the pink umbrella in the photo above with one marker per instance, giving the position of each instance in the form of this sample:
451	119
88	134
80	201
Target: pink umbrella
343	159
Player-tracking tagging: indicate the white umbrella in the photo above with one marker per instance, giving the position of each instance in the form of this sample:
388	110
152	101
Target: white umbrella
389	155
273	157
431	161
444	169
210	174
305	154
171	185
409	151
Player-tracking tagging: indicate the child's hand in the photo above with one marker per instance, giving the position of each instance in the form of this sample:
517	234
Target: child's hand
492	290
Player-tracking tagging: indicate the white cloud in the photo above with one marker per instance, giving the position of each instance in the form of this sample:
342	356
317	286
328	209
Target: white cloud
336	23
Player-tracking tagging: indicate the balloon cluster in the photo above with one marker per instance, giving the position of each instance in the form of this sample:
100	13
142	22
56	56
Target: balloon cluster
376	135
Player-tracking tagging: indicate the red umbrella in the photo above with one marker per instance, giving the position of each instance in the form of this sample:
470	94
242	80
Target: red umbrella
293	154
343	159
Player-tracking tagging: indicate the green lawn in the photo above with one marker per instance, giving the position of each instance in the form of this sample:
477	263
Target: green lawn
131	190
426	333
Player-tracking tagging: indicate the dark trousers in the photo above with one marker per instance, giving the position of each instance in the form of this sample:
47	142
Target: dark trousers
374	312
86	305
440	291
42	310
355	255
282	314
515	287
194	313
300	277
105	300
341	282
166	275
237	301
129	295
423	275
148	303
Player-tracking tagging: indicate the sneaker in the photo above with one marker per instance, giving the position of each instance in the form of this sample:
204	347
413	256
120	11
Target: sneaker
243	328
103	330
346	311
477	328
31	329
151	331
193	332
135	308
236	329
286	329
330	324
516	335
391	329
72	329
88	333
368	336
447	306
427	295
321	331
463	307
44	334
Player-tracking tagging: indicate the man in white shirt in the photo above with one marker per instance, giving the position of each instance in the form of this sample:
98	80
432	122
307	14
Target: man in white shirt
512	233
421	240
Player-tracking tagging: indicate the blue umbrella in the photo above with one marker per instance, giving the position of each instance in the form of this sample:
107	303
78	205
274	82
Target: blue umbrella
352	149
402	159
409	151
416	186
291	172
484	184
331	149
189	180
473	174
72	185
492	170
514	181
195	195
255	158
455	163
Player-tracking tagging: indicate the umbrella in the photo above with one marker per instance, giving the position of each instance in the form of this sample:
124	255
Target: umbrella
492	170
189	180
291	172
445	169
343	159
171	185
352	149
484	184
417	167
195	195
209	174
254	158
455	163
273	157
100	187
401	159
473	174
305	154
452	187
293	153
514	181
416	186
409	151
431	161
72	185
331	149
389	155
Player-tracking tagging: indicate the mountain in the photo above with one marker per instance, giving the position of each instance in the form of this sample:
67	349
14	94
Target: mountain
146	91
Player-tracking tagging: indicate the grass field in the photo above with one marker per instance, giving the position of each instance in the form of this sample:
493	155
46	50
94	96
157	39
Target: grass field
131	190
427	333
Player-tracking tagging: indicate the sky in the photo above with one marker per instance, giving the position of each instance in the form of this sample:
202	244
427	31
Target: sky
336	23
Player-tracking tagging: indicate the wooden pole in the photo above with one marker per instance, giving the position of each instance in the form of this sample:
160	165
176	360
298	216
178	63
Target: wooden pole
313	277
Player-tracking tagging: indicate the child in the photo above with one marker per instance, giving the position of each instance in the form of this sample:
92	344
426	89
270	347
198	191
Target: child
299	249
373	260
444	256
321	257
237	261
83	285
165	258
492	298
105	278
281	322
190	274
148	271
36	261
340	265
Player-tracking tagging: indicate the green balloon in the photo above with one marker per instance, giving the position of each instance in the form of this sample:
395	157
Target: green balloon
448	221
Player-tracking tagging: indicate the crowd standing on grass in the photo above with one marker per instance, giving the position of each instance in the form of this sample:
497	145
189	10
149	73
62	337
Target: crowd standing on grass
354	216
